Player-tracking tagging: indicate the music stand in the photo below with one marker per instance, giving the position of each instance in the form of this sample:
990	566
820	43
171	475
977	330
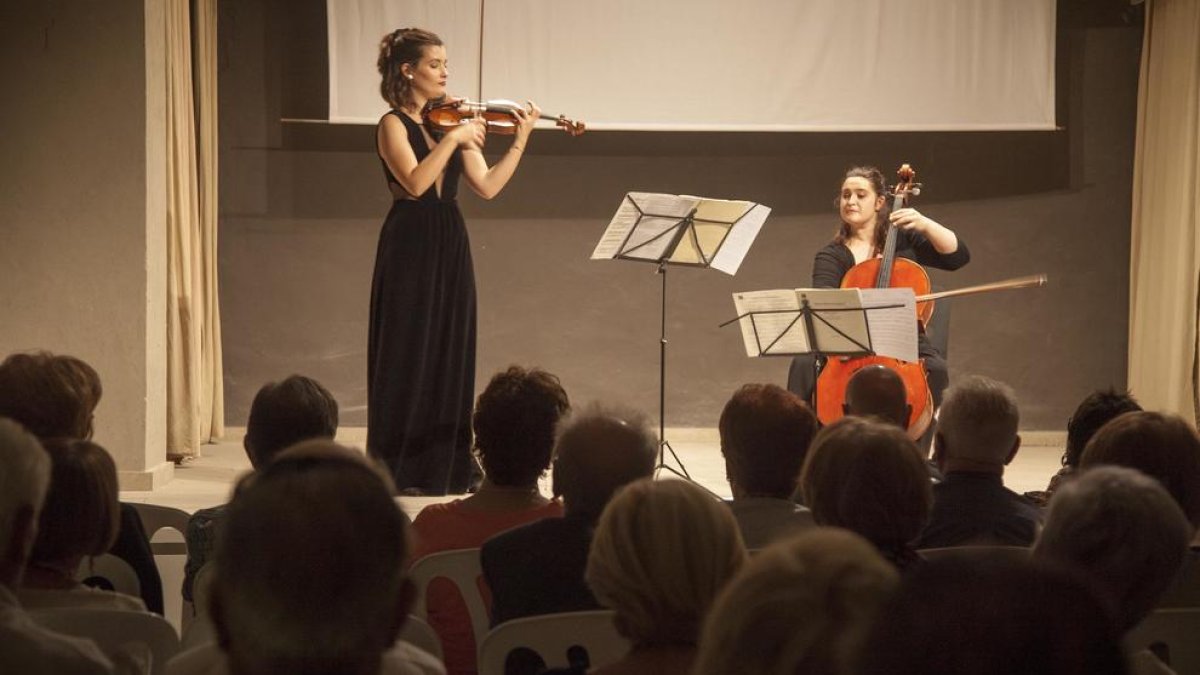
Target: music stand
679	230
786	323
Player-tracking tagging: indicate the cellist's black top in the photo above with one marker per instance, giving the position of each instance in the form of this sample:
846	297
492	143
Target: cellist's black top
834	260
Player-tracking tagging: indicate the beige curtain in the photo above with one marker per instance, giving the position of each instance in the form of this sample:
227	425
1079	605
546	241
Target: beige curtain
1165	258
195	396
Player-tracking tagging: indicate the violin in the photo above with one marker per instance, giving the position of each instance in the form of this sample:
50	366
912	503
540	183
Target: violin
886	271
500	116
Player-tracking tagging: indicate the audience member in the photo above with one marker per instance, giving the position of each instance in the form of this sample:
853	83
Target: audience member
662	552
868	477
282	414
765	432
26	647
1164	447
310	570
55	396
975	439
1093	412
971	615
878	391
515	419
1121	529
800	607
79	519
538	568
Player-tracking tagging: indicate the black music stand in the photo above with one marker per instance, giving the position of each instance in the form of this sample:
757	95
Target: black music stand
679	230
792	331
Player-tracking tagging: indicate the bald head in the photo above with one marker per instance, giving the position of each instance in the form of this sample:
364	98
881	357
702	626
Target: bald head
879	391
599	450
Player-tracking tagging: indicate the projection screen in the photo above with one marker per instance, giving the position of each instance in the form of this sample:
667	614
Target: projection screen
717	65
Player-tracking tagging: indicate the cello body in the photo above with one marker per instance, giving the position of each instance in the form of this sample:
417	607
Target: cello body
883	272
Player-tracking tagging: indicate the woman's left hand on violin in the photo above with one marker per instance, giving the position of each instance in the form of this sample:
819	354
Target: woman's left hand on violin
912	219
528	118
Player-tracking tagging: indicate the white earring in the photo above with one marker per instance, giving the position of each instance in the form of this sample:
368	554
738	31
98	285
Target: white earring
410	77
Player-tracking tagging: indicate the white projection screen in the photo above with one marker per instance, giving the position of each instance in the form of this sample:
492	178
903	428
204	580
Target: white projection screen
719	65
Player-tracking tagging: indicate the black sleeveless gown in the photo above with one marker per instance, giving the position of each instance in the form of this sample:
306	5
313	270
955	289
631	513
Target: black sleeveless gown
421	348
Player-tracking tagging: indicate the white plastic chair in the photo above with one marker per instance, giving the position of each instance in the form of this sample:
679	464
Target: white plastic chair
1170	634
462	568
418	633
113	630
115	572
155	518
552	636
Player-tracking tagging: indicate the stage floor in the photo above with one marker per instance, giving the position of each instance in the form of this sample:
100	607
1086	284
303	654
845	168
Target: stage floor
207	481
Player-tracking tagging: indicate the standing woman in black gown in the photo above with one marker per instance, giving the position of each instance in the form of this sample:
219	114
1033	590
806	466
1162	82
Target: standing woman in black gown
421	349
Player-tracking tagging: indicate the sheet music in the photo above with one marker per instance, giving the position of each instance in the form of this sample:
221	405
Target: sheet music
838	309
616	238
893	330
760	330
740	237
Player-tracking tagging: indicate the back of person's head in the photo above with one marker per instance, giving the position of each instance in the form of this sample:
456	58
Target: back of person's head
24	479
868	477
81	514
971	615
977	425
878	391
285	413
1095	411
600	449
310	566
765	432
50	395
1122	529
515	420
661	553
800	607
1164	447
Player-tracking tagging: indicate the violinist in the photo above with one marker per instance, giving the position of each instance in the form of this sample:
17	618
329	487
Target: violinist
421	344
866	214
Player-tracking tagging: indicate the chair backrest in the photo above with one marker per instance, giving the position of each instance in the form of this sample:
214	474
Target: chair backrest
110	573
557	638
418	633
155	518
1008	552
938	330
1171	635
460	567
113	630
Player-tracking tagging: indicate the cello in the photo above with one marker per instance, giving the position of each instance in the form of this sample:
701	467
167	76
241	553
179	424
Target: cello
885	271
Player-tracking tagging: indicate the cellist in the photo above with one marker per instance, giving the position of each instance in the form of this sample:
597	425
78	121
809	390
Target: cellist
865	213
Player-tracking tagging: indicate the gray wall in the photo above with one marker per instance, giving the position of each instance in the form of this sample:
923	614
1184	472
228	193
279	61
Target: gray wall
82	219
301	205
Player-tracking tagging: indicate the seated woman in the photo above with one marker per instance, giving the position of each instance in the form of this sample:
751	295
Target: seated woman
79	519
802	606
661	553
868	477
53	396
515	418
